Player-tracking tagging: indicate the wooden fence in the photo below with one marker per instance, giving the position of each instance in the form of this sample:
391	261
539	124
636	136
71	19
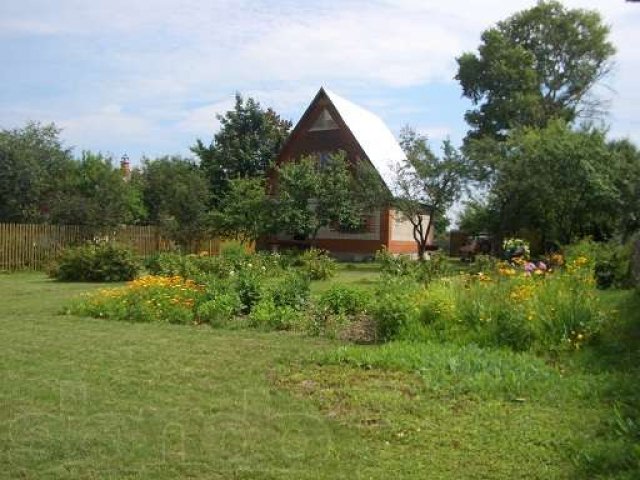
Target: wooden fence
29	246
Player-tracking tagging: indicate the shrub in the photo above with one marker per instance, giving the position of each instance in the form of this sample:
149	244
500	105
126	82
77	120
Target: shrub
434	267
248	285
394	265
269	316
96	263
395	311
234	253
188	266
317	264
344	300
291	290
220	310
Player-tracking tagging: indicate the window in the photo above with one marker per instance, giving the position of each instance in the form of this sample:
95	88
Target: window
324	122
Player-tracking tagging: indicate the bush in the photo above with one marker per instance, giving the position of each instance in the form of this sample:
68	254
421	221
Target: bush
317	264
188	266
394	265
248	285
395	311
220	310
269	316
291	290
344	300
96	263
433	268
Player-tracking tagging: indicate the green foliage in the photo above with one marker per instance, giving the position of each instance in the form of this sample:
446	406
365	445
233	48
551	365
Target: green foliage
147	299
96	194
317	264
176	197
311	196
395	311
344	300
394	265
426	185
249	286
34	167
403	266
235	253
95	263
625	172
538	64
452	370
245	146
290	290
436	266
531	190
610	262
269	316
220	310
244	212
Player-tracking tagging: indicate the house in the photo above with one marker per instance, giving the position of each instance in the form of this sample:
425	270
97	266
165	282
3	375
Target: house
330	124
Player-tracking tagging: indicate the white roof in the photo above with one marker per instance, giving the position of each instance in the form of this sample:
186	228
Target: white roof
373	135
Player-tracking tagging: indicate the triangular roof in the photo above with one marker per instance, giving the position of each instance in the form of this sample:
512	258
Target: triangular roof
371	133
375	140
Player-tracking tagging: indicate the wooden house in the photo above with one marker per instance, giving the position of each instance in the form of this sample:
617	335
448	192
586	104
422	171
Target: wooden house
330	124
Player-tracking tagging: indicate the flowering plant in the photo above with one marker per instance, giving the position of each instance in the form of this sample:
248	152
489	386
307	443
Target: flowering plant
516	247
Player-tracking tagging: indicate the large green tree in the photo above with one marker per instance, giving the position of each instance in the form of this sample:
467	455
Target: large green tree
625	168
245	211
538	64
33	165
176	196
96	194
246	145
426	185
556	181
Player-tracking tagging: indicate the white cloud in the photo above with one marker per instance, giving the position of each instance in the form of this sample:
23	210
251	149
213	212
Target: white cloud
172	66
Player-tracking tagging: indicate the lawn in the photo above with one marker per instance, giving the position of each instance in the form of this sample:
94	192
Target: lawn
88	398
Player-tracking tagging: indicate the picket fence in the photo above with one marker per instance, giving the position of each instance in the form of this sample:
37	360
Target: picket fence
34	246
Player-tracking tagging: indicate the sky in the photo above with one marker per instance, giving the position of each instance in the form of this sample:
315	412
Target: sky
147	77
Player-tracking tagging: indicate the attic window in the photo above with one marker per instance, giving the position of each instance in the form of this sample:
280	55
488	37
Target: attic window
324	122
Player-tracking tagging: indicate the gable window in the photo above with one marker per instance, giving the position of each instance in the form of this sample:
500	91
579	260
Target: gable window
324	122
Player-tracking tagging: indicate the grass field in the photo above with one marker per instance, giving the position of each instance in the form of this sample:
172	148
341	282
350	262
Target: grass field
86	398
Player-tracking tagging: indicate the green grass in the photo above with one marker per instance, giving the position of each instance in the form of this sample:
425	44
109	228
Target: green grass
86	398
364	275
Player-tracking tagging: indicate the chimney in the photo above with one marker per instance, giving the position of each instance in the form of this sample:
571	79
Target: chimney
125	167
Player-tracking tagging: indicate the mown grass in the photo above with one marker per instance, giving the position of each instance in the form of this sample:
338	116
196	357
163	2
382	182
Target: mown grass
88	398
364	275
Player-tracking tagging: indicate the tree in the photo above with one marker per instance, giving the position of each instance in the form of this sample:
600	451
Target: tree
310	196
176	197
33	163
538	64
557	182
245	146
95	194
426	185
625	167
245	211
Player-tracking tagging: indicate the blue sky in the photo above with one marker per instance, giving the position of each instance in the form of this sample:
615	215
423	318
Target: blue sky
148	77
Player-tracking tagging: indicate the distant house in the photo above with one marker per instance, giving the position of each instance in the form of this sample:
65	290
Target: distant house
330	124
